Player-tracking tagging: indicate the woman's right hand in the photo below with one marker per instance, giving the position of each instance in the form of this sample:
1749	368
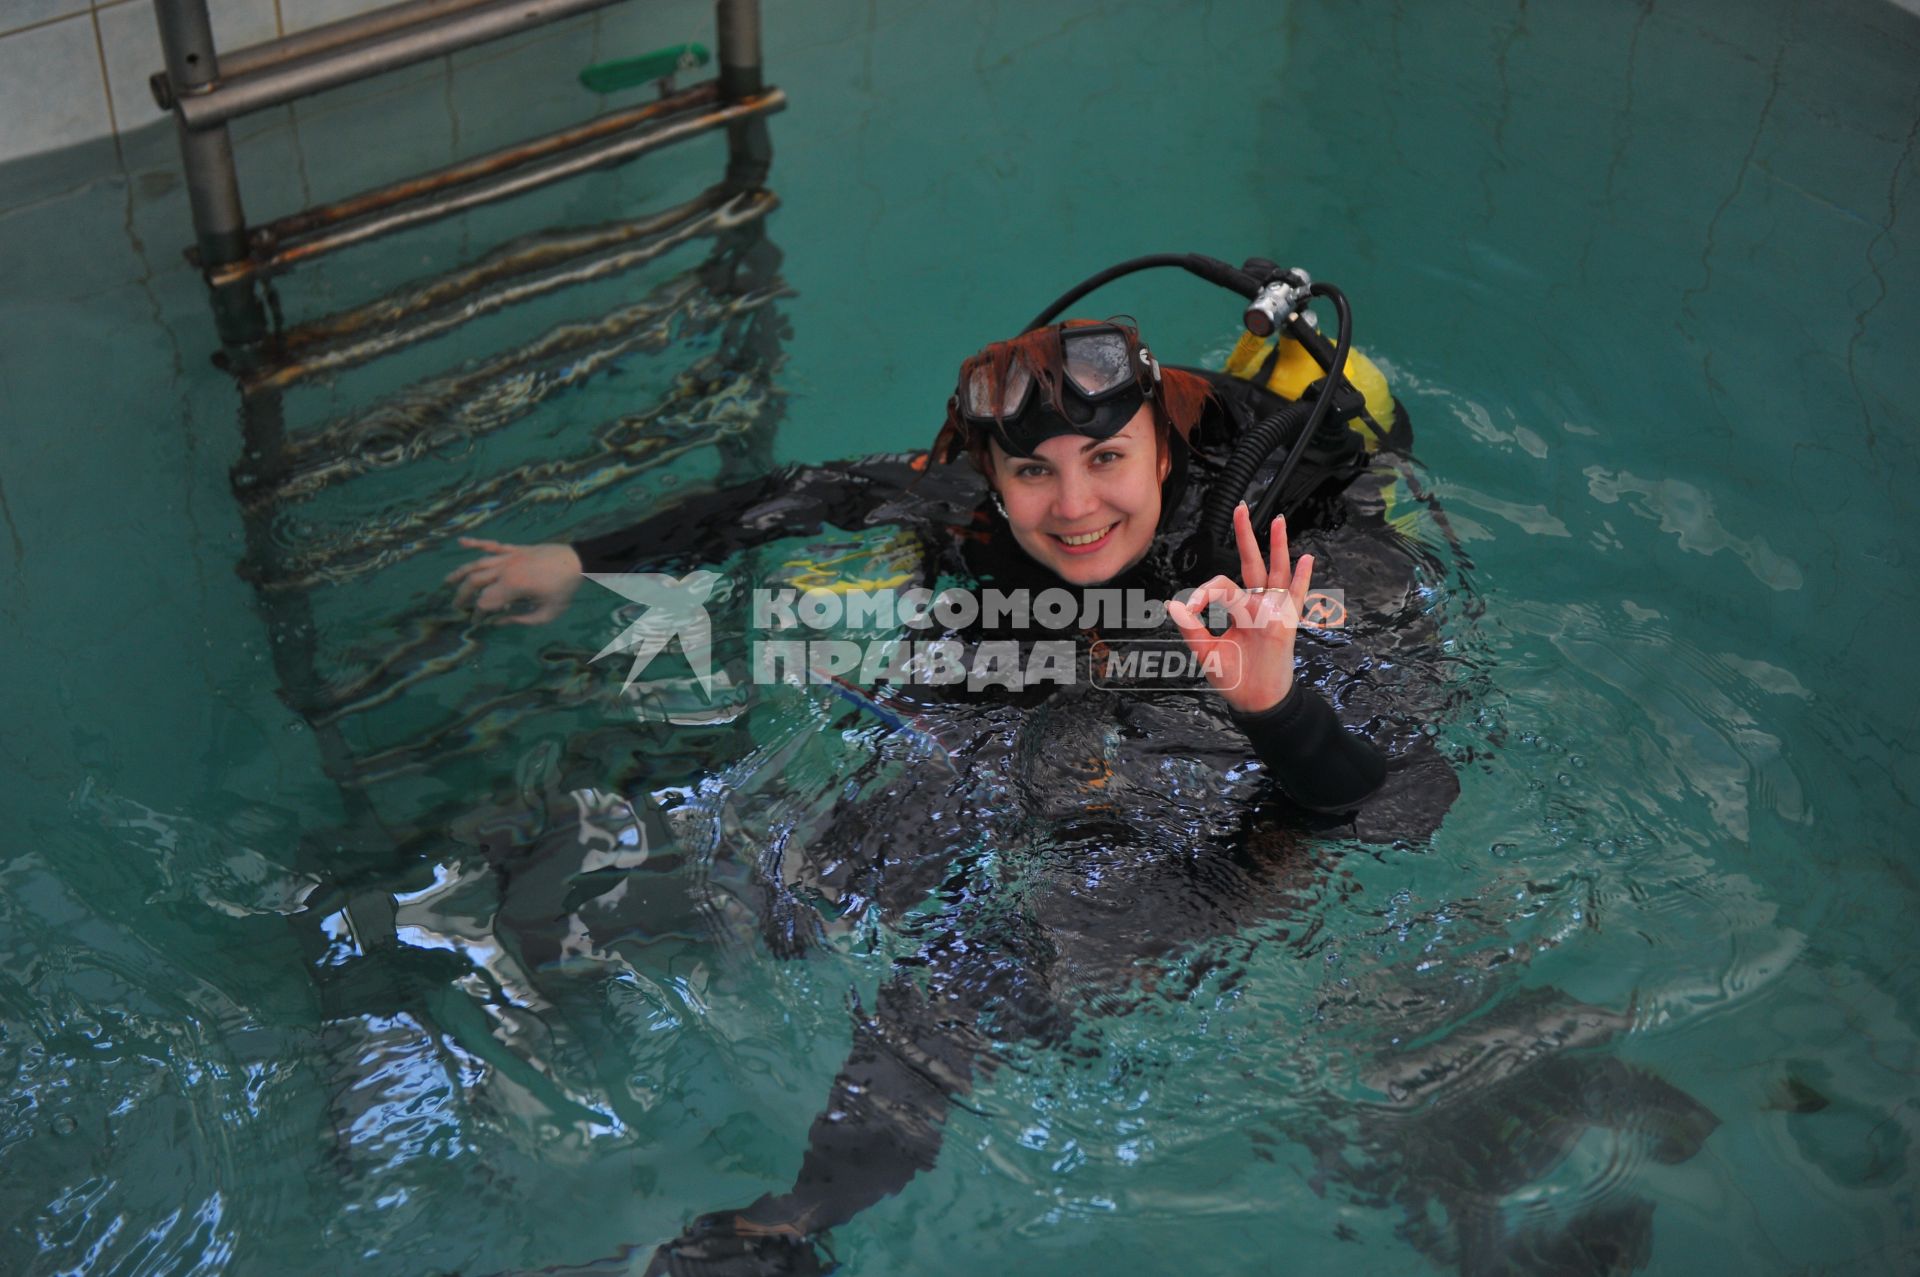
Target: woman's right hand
1251	665
543	576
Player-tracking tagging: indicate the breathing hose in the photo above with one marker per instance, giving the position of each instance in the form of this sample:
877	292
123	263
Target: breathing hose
1323	403
1216	518
1211	269
1255	446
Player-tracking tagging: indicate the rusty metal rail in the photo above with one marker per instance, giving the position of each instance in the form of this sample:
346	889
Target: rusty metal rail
500	175
321	216
335	35
517	274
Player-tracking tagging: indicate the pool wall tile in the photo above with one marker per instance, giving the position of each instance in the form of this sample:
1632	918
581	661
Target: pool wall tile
495	102
54	91
236	23
131	47
349	96
51	90
298	15
397	116
16	15
130	41
131	44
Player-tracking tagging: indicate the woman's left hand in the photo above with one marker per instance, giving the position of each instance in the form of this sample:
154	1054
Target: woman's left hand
1251	664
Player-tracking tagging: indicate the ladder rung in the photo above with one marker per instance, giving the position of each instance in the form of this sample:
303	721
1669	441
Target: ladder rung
277	82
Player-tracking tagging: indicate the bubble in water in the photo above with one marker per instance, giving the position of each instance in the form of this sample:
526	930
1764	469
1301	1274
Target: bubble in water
65	1125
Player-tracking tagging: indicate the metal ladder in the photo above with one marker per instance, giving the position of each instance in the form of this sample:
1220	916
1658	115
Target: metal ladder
725	400
205	89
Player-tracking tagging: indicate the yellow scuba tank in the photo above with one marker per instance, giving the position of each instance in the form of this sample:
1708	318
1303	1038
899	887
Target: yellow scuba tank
1285	368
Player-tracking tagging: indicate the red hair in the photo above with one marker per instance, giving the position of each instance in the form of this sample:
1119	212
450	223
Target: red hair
1178	398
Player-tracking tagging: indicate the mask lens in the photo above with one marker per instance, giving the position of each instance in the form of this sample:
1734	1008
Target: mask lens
1013	395
1098	363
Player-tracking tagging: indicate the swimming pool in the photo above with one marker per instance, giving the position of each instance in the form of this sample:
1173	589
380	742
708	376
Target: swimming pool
1641	273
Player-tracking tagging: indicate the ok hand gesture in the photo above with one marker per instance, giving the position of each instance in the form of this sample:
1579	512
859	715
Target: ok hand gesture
1251	664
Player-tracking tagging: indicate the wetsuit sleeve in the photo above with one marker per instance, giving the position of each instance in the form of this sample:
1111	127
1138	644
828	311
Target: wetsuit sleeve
1317	762
792	501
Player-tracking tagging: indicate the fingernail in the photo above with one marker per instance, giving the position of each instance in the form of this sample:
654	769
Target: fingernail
1243	504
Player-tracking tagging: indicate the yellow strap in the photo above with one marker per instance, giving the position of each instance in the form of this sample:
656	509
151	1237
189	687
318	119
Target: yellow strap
819	574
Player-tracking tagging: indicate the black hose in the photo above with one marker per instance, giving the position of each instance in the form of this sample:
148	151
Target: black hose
1216	520
1336	375
1211	269
1255	446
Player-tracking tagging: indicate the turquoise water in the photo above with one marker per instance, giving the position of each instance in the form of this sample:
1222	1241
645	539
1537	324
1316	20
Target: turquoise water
1644	276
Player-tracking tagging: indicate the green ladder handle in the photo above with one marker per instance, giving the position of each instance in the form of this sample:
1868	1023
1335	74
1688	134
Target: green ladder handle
610	77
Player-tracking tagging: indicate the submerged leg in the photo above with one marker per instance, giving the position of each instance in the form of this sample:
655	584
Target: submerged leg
882	1126
1605	1239
886	1113
1628	1099
887	1110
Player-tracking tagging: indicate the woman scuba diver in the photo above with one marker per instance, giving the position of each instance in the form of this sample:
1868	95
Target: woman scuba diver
1073	427
1082	829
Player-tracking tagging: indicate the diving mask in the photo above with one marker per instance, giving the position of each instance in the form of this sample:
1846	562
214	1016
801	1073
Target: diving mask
1105	375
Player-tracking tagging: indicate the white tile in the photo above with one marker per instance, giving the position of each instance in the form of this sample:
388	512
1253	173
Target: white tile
301	14
51	94
238	23
15	14
132	46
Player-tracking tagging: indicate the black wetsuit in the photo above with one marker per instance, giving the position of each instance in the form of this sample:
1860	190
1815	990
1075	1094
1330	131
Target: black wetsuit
1127	826
1317	764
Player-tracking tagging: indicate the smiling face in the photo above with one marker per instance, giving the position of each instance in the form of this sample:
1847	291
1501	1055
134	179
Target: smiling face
1086	508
